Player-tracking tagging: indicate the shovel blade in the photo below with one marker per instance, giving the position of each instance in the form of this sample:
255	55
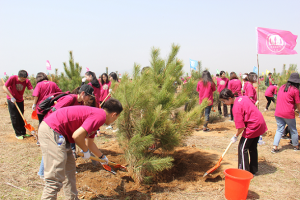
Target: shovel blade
29	127
34	115
108	168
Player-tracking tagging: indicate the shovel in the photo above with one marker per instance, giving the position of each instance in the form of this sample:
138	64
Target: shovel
108	168
34	115
27	126
109	94
219	162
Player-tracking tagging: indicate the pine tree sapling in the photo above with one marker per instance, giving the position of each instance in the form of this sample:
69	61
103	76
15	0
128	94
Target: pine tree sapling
149	104
72	76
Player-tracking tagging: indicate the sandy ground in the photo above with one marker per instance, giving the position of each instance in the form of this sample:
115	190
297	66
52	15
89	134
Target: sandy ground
278	176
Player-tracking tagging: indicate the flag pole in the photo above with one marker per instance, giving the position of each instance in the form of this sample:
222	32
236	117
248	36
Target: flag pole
258	82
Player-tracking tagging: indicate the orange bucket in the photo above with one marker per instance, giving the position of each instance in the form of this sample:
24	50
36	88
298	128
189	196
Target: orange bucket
237	183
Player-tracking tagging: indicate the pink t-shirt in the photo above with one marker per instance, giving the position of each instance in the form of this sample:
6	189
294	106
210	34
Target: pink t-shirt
65	101
42	89
104	91
251	92
247	115
245	87
222	83
286	101
17	88
206	91
270	91
97	93
235	85
67	120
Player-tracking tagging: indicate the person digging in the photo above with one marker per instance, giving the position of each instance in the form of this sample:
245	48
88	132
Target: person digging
73	124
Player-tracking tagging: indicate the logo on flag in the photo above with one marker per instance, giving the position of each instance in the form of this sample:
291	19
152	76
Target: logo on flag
276	42
193	64
48	66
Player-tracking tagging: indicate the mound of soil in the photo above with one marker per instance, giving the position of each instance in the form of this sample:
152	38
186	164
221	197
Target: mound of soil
189	166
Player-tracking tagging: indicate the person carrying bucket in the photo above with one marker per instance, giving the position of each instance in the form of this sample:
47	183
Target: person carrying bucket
248	121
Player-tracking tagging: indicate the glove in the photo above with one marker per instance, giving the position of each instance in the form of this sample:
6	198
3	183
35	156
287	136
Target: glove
33	107
256	103
83	80
103	157
13	100
233	139
86	155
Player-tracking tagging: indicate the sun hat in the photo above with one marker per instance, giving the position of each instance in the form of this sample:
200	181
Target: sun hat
294	78
87	89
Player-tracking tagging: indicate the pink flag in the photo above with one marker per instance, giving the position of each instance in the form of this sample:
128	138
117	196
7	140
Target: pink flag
276	42
4	73
48	66
87	69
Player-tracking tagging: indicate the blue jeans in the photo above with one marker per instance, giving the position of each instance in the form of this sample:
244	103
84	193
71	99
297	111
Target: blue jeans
41	172
206	114
281	122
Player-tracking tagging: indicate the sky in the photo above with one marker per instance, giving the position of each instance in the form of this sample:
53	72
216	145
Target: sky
116	34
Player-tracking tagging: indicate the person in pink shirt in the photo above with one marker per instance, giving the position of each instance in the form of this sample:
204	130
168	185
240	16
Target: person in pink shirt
248	121
270	93
222	83
43	88
250	90
105	85
86	92
206	88
245	83
287	100
14	88
235	86
73	124
83	96
92	79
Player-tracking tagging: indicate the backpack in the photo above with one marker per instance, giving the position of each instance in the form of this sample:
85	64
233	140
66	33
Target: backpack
48	101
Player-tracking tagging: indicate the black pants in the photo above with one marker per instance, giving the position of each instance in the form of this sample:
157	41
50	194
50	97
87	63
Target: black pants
41	118
224	109
245	145
269	99
15	117
231	115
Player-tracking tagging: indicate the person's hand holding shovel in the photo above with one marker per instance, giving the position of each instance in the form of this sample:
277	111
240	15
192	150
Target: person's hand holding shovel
105	160
13	100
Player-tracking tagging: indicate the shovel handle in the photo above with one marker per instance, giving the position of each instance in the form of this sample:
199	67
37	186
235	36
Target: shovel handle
105	99
91	157
15	103
226	149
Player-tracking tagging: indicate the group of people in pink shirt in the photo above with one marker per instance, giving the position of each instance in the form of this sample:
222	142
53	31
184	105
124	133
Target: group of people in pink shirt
73	119
248	119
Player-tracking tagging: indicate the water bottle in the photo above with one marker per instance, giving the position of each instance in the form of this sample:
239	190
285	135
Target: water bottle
260	142
60	140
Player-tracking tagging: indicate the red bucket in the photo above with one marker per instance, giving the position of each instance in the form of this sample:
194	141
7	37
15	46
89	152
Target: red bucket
237	183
